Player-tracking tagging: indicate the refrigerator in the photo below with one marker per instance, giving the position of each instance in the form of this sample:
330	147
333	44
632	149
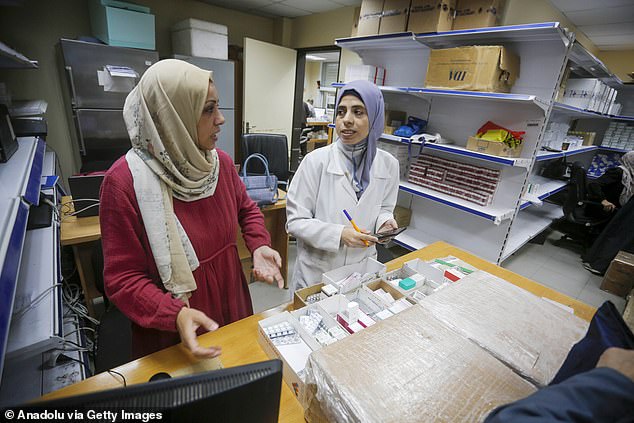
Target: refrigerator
97	80
224	79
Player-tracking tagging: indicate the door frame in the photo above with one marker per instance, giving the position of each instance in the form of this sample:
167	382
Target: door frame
298	105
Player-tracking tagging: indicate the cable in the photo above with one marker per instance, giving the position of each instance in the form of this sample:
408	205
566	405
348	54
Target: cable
20	313
68	215
74	359
79	329
117	373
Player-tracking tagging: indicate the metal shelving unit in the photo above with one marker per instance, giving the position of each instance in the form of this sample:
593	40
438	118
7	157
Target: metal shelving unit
494	214
543	50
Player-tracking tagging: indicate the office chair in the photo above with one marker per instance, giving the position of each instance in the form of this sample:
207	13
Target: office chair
272	146
583	218
114	333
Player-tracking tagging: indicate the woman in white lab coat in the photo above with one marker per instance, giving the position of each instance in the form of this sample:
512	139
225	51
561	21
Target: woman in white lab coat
350	174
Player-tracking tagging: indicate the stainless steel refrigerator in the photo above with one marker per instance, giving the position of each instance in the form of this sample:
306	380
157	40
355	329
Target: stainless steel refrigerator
98	79
224	79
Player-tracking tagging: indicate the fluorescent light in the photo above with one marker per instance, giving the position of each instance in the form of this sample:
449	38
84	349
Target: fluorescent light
313	57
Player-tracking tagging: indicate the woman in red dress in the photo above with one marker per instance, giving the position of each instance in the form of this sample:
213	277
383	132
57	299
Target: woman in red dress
169	215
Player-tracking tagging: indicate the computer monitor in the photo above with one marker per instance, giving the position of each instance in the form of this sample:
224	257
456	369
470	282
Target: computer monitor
249	393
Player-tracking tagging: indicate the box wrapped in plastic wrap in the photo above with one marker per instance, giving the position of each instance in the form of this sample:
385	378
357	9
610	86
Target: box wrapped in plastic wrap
529	334
409	368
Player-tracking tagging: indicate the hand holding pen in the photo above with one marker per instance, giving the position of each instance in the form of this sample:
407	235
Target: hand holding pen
356	237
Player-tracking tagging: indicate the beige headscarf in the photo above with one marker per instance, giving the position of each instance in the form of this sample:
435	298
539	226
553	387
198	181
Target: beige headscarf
161	114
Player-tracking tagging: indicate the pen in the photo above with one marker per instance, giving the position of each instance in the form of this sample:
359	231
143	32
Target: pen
354	225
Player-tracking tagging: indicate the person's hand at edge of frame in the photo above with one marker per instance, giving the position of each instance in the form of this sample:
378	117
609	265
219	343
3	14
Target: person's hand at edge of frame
619	359
188	321
266	266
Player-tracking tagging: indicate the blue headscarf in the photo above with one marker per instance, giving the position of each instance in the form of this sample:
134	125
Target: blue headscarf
373	100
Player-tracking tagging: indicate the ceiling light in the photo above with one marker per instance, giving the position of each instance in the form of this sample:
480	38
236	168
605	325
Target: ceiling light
313	57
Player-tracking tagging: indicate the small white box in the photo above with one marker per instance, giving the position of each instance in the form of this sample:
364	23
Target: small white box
193	37
369	266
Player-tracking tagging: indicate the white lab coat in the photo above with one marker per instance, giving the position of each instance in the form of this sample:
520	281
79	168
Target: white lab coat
318	194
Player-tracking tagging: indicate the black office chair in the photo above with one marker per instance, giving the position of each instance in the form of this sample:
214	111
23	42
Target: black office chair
583	218
272	146
114	333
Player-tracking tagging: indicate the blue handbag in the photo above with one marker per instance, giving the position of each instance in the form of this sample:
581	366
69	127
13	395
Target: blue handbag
261	188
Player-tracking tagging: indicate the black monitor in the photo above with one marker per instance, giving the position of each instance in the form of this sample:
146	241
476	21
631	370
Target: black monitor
249	393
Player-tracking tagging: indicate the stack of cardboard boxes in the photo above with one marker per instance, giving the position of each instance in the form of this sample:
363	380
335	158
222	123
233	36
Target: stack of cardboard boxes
420	16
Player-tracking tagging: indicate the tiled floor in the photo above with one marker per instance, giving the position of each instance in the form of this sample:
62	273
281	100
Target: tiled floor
265	296
558	267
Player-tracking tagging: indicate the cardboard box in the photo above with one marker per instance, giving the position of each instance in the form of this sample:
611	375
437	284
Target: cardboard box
431	15
394	16
370	17
384	285
299	298
293	358
395	115
367	266
475	68
122	24
619	279
476	14
492	147
430	369
193	37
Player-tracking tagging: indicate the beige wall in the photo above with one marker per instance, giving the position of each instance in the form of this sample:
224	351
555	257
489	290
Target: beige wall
323	28
620	62
533	11
311	76
34	29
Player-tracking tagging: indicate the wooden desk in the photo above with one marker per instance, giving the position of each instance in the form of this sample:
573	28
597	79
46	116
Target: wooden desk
316	142
82	233
240	346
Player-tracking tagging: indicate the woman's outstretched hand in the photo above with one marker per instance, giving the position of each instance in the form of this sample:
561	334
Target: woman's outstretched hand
266	266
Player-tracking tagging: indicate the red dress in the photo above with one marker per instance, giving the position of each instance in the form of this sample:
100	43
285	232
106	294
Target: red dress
131	278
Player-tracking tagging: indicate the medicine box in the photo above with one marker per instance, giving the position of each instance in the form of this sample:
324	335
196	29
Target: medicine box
327	324
194	37
122	24
293	356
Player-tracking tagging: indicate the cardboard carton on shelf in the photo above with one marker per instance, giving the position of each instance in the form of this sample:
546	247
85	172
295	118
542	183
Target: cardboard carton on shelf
431	15
370	17
474	68
394	16
493	147
619	279
476	14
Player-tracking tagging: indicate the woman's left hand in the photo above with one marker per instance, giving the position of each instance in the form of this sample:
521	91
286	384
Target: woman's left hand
388	225
266	265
